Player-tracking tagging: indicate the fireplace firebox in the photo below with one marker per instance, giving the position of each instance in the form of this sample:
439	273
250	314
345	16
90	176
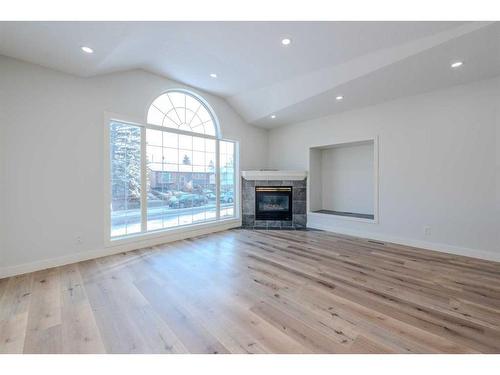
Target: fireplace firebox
273	203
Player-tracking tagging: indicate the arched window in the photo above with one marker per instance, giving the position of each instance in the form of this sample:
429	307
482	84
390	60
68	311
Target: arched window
172	171
184	111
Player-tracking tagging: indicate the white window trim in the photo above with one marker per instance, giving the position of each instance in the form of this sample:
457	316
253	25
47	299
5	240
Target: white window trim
109	241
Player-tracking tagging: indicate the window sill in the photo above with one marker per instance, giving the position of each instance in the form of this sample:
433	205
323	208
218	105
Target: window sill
173	234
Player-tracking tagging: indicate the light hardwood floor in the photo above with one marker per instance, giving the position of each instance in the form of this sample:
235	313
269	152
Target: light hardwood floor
244	291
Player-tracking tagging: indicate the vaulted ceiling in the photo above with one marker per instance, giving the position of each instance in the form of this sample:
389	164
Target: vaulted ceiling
365	62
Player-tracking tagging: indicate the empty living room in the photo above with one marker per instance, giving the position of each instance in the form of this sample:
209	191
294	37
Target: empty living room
231	183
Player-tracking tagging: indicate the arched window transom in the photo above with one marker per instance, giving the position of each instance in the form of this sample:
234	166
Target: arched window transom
183	111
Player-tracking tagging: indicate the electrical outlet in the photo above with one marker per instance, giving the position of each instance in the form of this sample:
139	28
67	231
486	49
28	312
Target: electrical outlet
427	230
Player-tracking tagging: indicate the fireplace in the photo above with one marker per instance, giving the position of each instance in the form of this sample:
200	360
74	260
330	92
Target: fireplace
274	200
273	203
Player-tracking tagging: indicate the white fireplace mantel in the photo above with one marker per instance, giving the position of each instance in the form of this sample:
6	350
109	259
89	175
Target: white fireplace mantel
273	175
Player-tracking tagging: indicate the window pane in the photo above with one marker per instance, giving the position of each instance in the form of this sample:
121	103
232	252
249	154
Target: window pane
227	179
185	160
183	191
190	114
210	145
204	115
198	158
125	158
170	155
192	103
154	154
170	140
155	116
185	168
196	123
154	137
210	162
186	142
171	120
198	144
163	103
229	148
209	128
180	110
178	99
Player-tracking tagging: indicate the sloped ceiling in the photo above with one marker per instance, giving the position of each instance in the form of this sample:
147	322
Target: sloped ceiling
366	62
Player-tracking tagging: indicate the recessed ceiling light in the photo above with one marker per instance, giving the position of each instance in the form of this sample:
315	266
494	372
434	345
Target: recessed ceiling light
286	41
457	64
273	116
87	49
213	75
339	97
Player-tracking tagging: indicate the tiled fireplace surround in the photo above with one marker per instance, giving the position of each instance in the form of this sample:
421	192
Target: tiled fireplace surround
299	195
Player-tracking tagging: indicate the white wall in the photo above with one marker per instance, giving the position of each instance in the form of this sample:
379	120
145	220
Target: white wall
52	142
438	166
347	178
439	160
315	190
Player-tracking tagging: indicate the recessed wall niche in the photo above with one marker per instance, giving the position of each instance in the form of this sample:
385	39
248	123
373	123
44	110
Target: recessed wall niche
344	180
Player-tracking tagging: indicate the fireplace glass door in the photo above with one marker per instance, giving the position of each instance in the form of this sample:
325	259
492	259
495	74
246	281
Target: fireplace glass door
273	203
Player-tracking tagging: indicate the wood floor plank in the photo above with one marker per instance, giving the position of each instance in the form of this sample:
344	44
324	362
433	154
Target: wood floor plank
79	329
43	333
243	291
14	306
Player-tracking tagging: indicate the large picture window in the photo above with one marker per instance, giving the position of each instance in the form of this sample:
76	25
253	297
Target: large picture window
172	171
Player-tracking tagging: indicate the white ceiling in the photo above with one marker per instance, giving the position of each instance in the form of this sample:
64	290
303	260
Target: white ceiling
367	62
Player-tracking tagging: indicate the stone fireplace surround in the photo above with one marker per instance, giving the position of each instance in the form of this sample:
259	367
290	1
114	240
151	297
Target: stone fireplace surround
296	179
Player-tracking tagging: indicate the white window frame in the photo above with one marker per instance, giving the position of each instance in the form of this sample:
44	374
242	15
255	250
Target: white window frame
109	117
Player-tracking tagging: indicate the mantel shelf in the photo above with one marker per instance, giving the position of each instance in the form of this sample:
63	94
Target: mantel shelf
274	175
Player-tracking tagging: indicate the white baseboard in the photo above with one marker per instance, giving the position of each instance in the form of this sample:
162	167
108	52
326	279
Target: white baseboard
110	250
444	248
93	254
